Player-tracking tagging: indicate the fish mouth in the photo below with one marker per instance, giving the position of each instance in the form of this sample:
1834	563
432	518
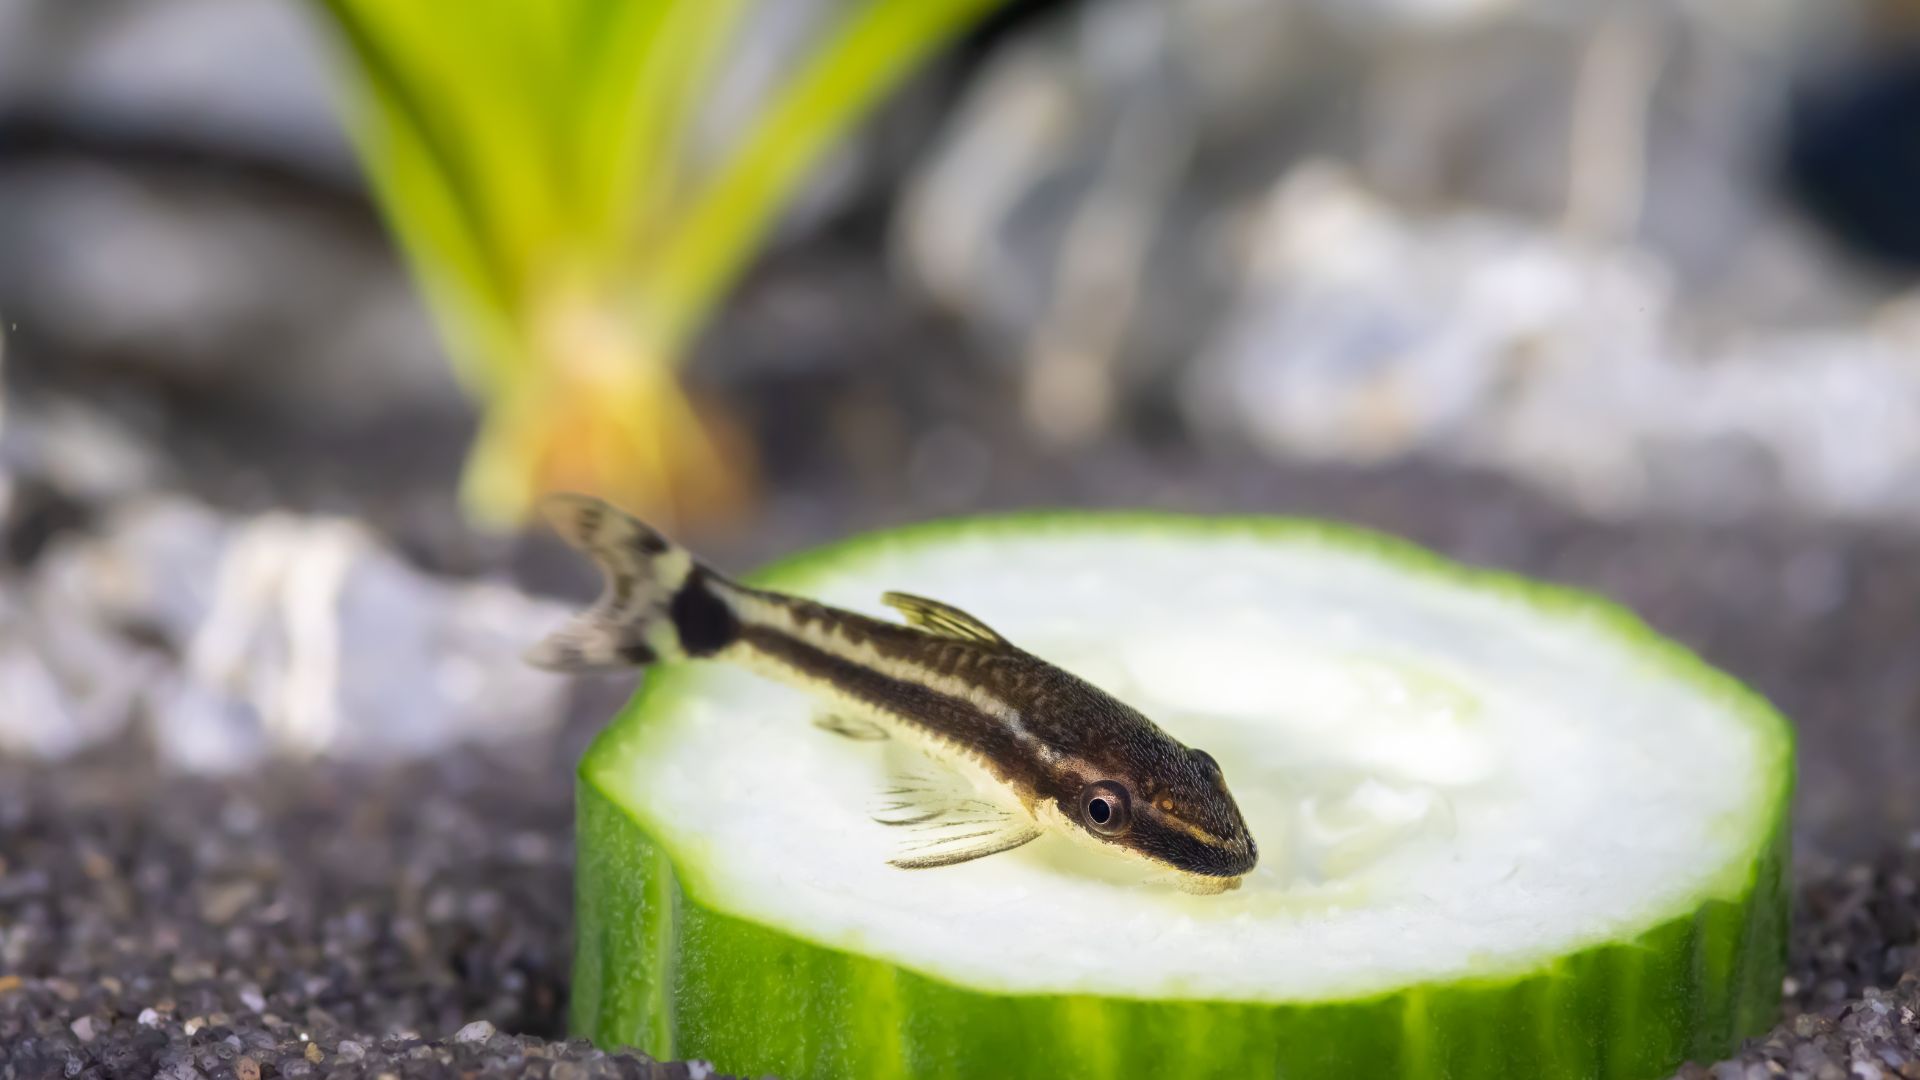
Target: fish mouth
1233	859
1208	884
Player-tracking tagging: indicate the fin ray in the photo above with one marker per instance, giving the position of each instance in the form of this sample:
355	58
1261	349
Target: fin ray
946	821
590	643
966	847
943	619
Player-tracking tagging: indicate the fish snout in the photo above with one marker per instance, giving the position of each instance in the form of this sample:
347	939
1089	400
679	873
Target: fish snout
1228	857
1243	853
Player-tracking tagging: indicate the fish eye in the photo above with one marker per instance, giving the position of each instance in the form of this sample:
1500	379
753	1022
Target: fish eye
1105	807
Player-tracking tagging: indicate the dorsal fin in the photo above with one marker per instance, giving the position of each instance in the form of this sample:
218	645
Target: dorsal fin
943	619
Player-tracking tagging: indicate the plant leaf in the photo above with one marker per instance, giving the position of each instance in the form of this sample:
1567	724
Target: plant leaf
876	45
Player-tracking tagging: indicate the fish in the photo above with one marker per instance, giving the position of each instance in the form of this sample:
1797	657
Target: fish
1040	750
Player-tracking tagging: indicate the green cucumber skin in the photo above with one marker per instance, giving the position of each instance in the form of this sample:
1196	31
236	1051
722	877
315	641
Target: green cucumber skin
656	969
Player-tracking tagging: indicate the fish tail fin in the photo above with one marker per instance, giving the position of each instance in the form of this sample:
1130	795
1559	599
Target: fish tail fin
658	603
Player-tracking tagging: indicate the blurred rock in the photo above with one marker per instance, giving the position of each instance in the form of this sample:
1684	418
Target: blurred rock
77	451
1653	122
234	75
1364	334
1628	314
213	289
238	639
65	684
180	209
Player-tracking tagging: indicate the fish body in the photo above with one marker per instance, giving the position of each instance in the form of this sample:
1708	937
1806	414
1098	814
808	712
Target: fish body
1070	756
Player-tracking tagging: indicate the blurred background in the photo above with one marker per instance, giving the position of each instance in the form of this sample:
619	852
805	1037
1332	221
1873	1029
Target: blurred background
304	303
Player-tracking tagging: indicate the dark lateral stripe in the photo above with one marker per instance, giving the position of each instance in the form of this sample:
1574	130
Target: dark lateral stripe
704	621
942	714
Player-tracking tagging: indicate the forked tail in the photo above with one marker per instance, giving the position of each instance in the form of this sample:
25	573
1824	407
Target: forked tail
658	604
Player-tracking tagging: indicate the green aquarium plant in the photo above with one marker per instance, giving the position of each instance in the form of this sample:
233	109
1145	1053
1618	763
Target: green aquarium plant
545	166
1504	829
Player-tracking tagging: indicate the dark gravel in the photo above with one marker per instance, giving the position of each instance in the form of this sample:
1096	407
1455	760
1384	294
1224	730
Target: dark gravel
332	922
302	922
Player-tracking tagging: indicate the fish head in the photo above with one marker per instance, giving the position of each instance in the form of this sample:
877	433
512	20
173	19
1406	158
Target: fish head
1167	804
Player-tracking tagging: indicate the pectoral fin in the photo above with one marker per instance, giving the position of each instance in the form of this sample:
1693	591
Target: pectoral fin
943	619
964	841
848	727
945	824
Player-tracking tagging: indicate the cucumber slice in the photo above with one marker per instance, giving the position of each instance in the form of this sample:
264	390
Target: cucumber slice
1506	830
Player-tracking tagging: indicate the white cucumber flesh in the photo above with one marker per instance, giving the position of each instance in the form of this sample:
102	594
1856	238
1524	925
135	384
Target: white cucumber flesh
1505	830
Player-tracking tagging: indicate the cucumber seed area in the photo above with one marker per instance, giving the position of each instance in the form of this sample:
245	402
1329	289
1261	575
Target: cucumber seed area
1447	775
